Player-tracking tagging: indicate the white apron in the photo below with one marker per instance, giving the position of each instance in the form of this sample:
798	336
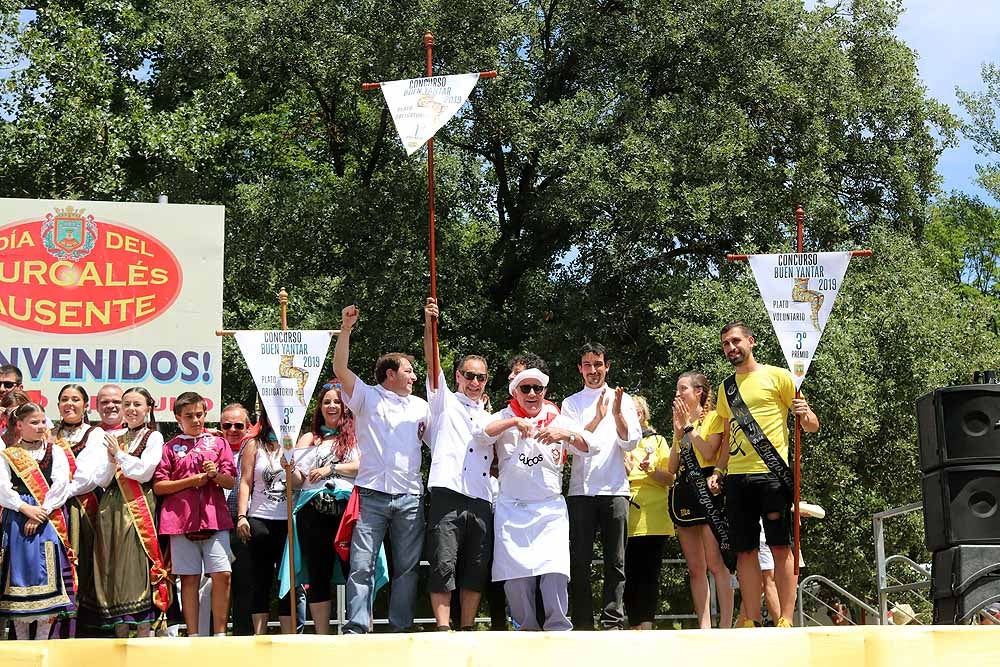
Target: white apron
530	538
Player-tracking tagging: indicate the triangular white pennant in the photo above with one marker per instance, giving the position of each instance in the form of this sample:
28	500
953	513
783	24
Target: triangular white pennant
285	366
798	291
419	107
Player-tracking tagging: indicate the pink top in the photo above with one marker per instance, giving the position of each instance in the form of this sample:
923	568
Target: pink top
194	509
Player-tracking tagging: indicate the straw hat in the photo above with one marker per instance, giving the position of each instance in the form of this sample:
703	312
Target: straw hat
902	614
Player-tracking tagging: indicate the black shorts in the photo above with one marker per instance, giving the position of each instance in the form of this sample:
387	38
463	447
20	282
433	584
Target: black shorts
749	499
685	510
459	541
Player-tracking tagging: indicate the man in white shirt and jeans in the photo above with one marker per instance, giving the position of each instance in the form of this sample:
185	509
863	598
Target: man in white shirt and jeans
460	525
598	489
390	424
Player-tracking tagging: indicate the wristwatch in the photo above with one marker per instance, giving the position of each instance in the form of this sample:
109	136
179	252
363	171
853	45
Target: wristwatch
572	438
689	428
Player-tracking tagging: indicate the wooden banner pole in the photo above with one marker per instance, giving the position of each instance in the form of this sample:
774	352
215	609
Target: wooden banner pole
283	305
800	217
429	72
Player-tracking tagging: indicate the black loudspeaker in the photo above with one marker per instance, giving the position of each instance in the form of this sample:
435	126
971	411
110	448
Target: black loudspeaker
962	506
965	579
959	426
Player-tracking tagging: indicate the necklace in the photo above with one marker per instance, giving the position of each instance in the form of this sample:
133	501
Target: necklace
128	437
271	458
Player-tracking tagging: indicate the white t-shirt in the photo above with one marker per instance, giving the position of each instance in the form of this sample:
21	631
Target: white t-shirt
267	494
390	429
322	455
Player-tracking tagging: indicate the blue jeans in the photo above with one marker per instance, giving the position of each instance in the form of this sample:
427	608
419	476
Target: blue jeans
402	514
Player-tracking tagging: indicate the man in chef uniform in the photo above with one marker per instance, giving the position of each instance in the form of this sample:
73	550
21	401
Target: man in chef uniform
531	525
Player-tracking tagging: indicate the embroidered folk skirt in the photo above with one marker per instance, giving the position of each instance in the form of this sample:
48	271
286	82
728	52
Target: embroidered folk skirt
121	590
36	578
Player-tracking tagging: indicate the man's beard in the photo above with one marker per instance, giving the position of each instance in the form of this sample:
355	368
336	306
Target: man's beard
737	360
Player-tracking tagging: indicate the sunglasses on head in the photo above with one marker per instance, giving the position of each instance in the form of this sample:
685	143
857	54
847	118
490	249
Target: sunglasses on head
8	384
232	426
528	388
470	376
332	385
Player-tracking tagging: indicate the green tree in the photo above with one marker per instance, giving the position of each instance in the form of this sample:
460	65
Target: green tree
590	191
966	232
893	336
982	127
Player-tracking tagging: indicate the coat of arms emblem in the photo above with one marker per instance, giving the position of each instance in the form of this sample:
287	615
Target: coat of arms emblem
69	234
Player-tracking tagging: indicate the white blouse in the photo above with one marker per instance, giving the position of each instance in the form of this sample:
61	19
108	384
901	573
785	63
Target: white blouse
58	489
91	463
140	468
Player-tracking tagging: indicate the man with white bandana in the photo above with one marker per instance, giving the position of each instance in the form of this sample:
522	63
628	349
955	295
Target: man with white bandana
598	488
460	525
531	525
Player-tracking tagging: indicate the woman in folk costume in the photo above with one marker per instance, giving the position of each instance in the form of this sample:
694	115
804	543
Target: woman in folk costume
262	520
11	400
36	572
531	525
130	579
86	453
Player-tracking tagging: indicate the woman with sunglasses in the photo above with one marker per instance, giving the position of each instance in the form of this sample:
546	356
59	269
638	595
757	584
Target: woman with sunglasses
234	425
328	466
261	521
125	545
85	450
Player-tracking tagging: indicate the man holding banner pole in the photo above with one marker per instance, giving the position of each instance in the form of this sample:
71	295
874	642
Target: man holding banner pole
391	424
460	526
753	461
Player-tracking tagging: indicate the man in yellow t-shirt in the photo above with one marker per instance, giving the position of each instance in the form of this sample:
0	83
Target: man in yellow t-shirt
753	492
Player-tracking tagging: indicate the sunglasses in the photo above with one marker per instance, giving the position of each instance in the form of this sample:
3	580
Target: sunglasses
332	385
528	388
232	426
8	384
470	376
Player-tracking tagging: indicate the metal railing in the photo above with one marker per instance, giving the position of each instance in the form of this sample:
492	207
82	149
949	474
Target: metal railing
805	589
882	563
339	617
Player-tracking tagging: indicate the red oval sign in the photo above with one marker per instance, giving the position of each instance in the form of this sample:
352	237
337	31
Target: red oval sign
70	273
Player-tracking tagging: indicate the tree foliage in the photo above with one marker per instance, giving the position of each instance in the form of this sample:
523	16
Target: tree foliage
590	191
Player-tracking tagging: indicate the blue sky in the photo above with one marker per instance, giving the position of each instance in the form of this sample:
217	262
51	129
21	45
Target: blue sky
953	38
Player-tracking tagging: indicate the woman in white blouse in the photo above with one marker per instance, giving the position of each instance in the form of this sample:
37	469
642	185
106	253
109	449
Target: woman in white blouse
83	445
122	595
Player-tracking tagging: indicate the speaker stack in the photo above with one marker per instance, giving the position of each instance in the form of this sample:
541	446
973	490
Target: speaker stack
959	434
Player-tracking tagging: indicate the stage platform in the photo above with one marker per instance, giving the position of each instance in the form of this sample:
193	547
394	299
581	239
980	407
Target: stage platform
871	646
